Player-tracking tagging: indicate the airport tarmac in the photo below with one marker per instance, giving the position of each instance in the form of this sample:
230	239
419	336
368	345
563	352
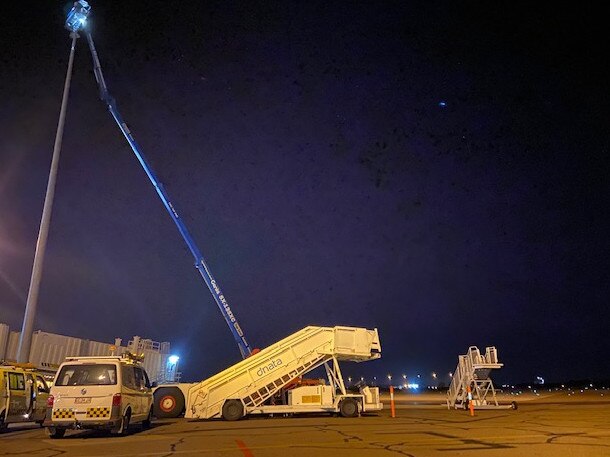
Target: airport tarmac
548	424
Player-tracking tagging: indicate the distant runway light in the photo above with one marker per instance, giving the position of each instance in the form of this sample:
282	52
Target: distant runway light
442	104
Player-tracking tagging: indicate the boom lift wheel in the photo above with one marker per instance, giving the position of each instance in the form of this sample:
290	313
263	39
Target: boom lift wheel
168	402
348	407
232	410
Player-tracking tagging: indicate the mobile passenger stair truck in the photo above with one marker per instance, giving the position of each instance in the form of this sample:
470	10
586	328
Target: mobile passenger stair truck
471	381
260	384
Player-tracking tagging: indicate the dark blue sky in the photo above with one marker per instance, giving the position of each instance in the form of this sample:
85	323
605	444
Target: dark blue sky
306	149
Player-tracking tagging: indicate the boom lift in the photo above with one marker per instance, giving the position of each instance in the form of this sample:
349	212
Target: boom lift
76	21
262	383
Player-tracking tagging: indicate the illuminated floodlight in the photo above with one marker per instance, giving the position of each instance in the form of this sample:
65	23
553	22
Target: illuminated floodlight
173	359
77	17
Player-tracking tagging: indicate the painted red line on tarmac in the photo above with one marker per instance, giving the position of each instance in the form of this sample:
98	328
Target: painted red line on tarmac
244	449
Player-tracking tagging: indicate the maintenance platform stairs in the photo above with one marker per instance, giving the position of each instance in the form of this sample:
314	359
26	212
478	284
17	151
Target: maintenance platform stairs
473	370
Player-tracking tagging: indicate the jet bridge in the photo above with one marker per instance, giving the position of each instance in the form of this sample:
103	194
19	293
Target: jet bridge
474	370
252	385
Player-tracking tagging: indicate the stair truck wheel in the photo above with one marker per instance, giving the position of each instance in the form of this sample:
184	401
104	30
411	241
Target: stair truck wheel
168	402
232	410
348	407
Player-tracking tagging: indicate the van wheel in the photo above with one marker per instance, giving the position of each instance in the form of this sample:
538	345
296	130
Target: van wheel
3	425
56	432
232	410
348	407
148	421
122	430
168	402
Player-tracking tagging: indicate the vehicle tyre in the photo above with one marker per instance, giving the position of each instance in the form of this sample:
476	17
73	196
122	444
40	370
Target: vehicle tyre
124	427
168	402
514	405
232	410
56	432
148	421
3	425
348	407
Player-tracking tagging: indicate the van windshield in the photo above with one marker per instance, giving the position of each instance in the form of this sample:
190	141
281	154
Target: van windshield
86	375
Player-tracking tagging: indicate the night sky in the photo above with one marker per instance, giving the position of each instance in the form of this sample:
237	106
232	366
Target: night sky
437	170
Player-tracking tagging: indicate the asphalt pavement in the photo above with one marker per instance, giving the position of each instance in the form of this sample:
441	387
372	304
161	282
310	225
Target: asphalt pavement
555	424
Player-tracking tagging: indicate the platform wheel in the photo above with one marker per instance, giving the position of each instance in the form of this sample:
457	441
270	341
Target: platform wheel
232	410
348	407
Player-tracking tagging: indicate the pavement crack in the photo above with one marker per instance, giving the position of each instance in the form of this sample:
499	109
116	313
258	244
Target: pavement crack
350	437
347	437
480	444
47	452
388	447
172	447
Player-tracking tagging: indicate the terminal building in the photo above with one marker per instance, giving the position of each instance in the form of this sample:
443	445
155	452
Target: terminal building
48	350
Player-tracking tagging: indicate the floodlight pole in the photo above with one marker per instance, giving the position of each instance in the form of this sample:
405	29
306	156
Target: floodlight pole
25	339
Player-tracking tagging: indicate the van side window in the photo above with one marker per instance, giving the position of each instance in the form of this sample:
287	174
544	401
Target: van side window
129	379
16	381
140	383
142	378
146	380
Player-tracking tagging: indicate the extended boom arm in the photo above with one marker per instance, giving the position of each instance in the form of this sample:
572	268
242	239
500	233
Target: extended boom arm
200	263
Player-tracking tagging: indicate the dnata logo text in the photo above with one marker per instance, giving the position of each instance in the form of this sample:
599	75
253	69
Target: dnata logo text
269	367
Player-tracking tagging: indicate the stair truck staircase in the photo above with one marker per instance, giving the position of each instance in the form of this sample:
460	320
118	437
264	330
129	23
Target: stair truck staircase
474	370
251	385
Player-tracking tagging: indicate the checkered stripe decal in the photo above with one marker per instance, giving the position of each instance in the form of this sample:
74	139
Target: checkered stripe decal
63	413
98	412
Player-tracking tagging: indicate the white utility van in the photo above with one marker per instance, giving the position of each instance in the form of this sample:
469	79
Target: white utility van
101	393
